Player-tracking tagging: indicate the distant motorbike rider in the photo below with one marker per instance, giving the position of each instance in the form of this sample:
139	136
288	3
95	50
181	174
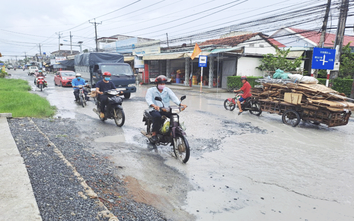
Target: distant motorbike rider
76	82
37	74
166	94
246	88
102	86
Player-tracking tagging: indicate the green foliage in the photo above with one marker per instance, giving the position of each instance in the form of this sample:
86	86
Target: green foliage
15	99
272	62
340	85
2	73
234	82
346	68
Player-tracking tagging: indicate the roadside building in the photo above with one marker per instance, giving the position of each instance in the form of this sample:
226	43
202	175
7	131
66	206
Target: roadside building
239	54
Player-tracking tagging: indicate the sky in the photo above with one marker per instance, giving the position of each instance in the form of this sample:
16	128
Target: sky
30	26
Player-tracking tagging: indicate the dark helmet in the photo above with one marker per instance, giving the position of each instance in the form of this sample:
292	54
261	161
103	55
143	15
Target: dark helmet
244	78
107	74
161	79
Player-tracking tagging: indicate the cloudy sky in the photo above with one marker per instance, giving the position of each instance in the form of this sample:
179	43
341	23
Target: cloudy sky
27	24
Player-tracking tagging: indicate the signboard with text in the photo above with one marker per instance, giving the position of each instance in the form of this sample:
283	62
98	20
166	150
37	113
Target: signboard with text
203	59
323	58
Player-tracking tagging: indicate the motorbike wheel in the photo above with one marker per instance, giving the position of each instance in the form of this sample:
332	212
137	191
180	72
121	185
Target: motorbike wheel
229	105
255	108
119	117
41	86
82	102
181	148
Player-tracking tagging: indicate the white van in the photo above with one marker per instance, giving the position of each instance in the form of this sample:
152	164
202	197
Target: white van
32	69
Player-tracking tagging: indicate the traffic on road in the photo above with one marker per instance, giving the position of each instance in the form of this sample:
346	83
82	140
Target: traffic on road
240	167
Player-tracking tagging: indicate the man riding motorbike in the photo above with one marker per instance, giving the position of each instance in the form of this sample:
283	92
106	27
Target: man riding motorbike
246	88
37	74
102	86
166	94
76	82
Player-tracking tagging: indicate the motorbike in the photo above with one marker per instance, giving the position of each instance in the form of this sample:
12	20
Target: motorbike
14	69
172	132
82	96
250	104
41	82
114	109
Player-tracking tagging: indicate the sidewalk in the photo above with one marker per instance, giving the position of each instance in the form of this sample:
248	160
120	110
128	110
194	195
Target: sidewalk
17	201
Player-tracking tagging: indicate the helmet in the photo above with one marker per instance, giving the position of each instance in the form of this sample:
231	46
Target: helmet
78	75
40	71
244	78
107	74
161	79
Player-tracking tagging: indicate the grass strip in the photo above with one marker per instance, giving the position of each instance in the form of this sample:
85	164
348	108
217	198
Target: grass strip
15	98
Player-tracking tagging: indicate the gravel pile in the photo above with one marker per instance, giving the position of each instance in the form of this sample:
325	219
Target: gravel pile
59	191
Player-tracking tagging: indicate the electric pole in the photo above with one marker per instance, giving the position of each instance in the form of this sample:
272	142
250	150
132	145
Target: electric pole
167	40
71	45
95	23
324	25
59	35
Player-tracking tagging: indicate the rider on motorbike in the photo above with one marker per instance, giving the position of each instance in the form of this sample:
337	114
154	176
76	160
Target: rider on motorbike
76	82
102	86
246	88
166	94
37	74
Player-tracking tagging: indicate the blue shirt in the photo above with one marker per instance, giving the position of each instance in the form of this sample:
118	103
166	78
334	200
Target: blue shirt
166	95
76	82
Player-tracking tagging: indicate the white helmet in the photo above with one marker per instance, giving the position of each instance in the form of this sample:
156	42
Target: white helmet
78	75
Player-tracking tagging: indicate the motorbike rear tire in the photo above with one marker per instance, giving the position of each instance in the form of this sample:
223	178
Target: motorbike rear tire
41	87
229	105
255	105
181	148
119	117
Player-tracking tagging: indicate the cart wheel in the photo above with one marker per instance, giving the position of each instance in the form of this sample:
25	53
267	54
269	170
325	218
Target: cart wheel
291	117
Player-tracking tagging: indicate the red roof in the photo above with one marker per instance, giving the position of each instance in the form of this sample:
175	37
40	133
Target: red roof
230	41
275	43
315	36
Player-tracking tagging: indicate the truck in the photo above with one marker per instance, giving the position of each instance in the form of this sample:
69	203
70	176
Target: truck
92	65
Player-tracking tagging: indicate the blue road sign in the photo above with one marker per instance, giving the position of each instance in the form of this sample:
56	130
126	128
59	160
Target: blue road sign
323	58
203	59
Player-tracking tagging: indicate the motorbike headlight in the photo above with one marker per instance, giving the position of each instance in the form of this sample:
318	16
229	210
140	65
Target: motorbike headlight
64	78
175	110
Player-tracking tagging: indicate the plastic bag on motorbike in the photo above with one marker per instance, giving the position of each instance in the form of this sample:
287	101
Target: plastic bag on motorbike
115	100
166	127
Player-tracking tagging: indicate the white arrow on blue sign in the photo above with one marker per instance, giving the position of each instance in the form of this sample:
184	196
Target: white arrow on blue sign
323	58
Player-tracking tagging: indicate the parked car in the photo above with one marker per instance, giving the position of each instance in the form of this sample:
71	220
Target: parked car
10	67
64	78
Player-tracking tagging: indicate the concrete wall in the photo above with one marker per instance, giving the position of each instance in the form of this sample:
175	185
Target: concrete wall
246	66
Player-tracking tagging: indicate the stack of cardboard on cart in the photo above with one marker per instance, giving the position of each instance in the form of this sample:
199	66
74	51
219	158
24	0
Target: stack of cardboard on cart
310	96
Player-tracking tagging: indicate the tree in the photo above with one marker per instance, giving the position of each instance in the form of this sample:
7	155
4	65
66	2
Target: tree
272	62
346	69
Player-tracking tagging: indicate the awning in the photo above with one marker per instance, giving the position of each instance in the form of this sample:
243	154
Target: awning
163	56
221	50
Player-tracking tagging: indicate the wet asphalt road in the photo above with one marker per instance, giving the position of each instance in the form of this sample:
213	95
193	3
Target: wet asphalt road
241	167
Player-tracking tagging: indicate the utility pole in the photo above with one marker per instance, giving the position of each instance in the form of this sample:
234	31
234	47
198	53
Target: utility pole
95	23
40	50
59	35
324	25
167	40
323	34
71	45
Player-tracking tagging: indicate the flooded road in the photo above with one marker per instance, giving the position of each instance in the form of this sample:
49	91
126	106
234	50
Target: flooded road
241	167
